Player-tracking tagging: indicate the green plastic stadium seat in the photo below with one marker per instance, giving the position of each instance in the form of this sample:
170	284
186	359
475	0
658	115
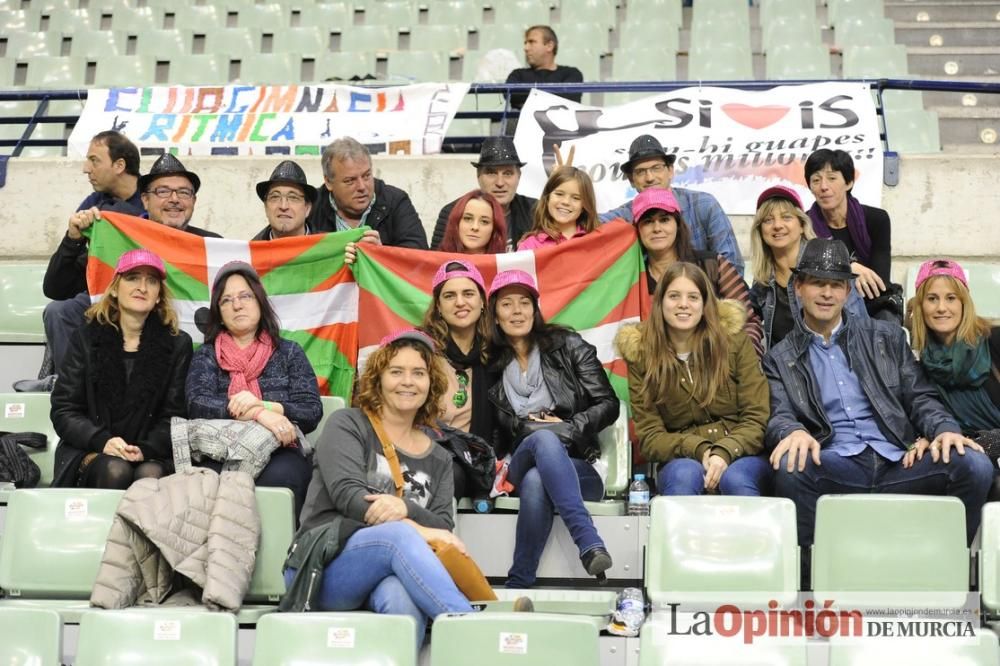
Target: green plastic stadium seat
864	31
795	29
136	20
508	639
442	38
711	549
331	403
989	556
68	20
593	603
368	38
56	72
336	17
885	60
26	45
648	33
96	44
207	69
273	68
21	297
473	126
17	20
347	639
309	41
595	34
861	539
393	13
657	648
982	649
277	519
343	65
417	66
523	13
198	17
718	20
164	44
601	12
805	61
657	63
29	412
666	12
838	9
587	61
721	61
778	9
125	71
269	18
163	637
467	14
30	637
235	43
52	547
502	36
913	131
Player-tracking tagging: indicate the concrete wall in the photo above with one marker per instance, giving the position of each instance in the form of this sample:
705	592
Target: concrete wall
944	205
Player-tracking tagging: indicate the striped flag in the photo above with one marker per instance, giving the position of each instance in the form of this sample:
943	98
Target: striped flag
312	290
591	284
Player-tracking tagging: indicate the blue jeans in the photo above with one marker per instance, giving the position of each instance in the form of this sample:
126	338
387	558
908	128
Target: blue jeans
748	476
389	569
60	320
966	477
547	479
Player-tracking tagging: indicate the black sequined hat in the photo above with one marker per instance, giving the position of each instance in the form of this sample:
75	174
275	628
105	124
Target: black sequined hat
498	151
287	173
168	165
825	258
645	147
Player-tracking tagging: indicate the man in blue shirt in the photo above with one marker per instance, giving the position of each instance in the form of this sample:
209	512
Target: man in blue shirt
851	410
648	166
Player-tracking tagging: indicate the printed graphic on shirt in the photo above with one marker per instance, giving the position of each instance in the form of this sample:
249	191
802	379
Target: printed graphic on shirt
416	483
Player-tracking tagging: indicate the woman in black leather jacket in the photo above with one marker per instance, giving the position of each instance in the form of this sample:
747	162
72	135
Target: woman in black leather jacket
122	381
553	399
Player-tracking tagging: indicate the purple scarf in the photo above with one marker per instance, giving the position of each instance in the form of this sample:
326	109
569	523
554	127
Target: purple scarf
856	227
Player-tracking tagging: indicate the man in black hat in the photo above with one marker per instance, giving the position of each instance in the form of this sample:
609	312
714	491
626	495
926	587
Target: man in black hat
498	172
649	165
169	193
287	201
851	409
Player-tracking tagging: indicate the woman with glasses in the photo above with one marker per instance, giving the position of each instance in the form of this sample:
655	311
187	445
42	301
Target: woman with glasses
122	381
246	371
457	323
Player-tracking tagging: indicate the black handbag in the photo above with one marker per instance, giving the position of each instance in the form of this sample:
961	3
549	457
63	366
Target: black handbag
474	454
15	465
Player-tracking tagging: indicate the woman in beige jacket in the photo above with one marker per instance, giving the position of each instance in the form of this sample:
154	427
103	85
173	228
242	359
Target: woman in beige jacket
699	399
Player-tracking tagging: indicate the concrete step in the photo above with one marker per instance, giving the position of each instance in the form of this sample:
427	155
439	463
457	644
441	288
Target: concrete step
933	98
948	35
955	61
943	11
969	126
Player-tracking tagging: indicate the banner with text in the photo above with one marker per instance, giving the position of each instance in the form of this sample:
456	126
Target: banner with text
272	120
730	143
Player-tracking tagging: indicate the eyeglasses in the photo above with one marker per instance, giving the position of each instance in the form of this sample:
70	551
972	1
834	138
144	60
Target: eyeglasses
293	198
244	298
654	170
461	396
183	193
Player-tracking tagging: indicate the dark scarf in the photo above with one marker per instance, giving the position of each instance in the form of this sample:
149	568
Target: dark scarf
482	410
960	372
128	398
856	227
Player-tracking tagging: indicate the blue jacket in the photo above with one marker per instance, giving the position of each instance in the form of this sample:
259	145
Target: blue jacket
904	402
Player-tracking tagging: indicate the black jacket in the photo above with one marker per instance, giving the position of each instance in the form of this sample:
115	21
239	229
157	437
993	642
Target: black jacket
92	401
66	275
519	219
393	217
904	402
581	390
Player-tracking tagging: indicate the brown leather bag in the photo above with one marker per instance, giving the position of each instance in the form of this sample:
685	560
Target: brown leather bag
464	571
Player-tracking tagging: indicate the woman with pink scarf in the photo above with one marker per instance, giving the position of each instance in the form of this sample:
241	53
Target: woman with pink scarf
246	371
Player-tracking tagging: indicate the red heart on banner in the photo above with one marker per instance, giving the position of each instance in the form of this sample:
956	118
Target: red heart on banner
756	117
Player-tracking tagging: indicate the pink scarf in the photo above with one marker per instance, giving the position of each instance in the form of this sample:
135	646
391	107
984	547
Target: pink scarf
243	365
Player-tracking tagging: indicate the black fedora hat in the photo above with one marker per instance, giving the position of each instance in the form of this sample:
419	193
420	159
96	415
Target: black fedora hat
825	258
644	147
168	165
287	173
498	151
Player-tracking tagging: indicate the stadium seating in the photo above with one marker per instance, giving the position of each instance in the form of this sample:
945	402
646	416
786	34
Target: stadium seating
272	68
721	61
29	412
989	558
348	639
864	31
56	72
393	13
309	41
22	299
524	13
273	16
124	71
442	38
379	38
343	66
982	649
415	66
502	36
837	9
508	639
912	131
24	45
206	69
806	61
658	648
163	637
30	637
467	14
235	42
164	44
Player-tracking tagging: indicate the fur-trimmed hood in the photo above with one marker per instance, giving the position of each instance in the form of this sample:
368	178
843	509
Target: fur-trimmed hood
732	314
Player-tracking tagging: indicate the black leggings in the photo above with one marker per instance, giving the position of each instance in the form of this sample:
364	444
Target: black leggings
117	473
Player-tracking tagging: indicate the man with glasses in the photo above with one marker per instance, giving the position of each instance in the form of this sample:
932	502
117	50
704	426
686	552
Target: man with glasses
169	193
648	166
287	201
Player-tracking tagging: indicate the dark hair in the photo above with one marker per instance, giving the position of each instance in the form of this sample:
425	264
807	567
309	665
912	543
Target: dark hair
542	334
548	35
268	319
120	148
435	326
498	239
838	160
682	241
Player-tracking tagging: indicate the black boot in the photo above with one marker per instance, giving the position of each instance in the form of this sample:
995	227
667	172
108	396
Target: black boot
596	561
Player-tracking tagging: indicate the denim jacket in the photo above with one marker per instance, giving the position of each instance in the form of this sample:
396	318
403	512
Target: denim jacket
904	402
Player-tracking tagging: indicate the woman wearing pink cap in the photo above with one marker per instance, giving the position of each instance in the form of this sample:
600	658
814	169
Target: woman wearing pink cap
666	240
455	321
476	225
960	351
123	380
567	209
552	400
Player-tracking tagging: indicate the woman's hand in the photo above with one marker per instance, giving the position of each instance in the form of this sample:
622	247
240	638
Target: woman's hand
715	466
868	283
545	417
279	426
351	249
384	509
118	447
244	405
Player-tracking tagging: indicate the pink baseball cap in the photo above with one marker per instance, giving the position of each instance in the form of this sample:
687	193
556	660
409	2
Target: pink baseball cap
513	277
654	197
141	257
468	270
408	334
780	192
941	267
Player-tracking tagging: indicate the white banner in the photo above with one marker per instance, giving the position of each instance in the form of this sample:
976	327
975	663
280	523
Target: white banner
278	120
731	143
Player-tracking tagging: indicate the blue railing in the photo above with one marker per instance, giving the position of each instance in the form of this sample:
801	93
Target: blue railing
44	97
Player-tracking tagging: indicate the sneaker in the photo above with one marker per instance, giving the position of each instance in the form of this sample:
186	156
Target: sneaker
43	385
524	605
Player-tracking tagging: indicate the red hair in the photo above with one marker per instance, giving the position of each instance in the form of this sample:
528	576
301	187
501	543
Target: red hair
498	239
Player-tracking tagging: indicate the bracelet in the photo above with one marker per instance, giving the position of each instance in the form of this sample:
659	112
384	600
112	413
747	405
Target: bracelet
267	405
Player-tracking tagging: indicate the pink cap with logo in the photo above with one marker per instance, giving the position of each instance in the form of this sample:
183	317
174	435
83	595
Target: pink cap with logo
511	278
654	197
941	267
468	270
137	258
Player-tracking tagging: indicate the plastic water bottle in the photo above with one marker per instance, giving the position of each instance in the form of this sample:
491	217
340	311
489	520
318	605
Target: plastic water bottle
483	504
638	496
629	613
